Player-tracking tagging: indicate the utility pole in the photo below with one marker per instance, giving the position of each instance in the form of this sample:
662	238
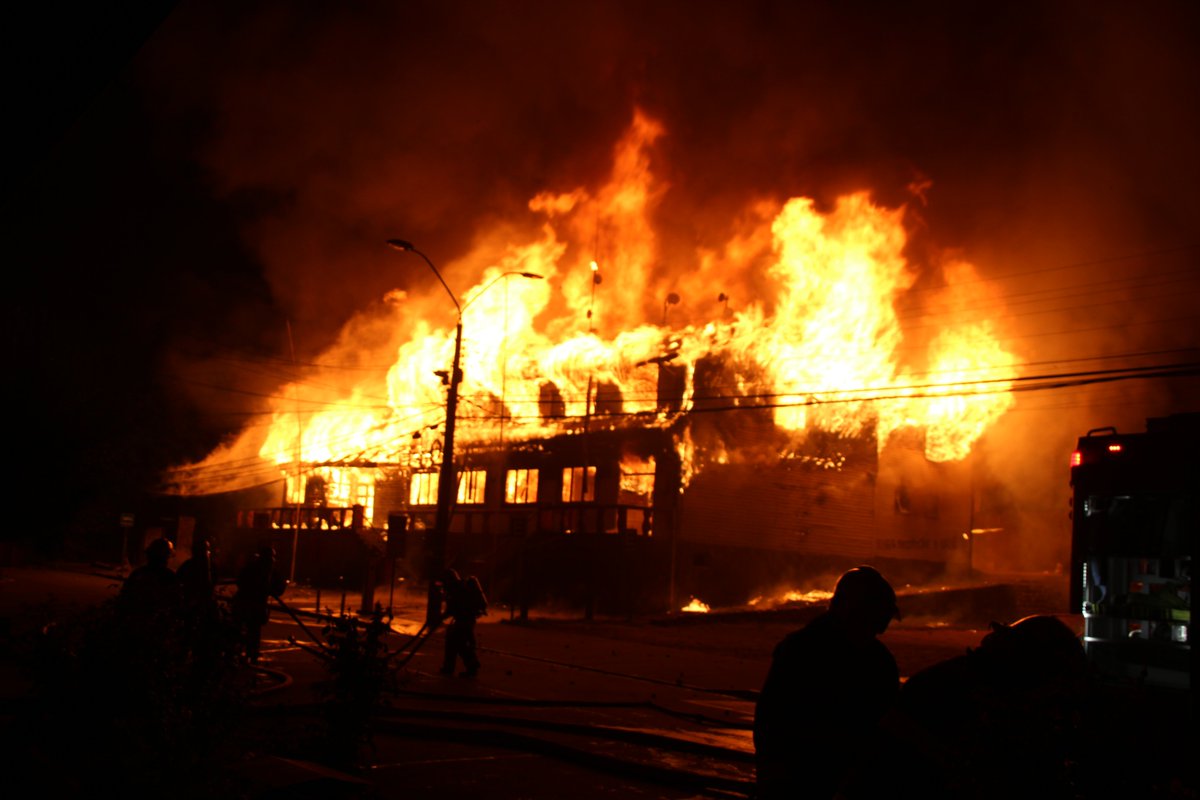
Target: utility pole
447	485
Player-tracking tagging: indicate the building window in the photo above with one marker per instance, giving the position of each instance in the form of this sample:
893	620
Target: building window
422	489
637	481
470	486
520	486
579	485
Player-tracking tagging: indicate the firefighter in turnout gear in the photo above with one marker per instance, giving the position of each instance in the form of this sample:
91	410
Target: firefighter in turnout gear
465	603
828	685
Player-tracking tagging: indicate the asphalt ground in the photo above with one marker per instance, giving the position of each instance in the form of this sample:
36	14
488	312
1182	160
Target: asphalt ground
649	708
659	707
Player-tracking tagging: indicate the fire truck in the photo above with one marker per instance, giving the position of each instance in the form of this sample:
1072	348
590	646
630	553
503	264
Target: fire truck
1135	504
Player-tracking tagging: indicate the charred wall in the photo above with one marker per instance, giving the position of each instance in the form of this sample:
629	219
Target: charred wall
923	509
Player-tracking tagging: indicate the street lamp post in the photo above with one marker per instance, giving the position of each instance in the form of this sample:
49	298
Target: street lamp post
446	481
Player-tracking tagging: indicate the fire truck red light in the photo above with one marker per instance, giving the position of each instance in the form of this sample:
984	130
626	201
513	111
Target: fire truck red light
1076	458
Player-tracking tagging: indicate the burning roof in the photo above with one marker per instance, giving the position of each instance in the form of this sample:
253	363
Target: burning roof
798	312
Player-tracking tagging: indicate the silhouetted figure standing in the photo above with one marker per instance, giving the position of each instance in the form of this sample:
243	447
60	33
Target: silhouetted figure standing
256	584
828	685
151	589
197	578
465	603
198	606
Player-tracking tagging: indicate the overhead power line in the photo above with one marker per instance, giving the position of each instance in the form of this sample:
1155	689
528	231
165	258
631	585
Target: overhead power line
927	391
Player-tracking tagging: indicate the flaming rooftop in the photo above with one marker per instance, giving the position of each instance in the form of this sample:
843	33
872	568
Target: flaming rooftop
797	312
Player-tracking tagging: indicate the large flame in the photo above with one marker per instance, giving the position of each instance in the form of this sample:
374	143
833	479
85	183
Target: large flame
805	323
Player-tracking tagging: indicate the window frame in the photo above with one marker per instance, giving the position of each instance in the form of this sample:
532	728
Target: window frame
527	492
573	479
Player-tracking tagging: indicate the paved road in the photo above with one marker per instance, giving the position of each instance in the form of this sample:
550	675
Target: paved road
653	708
562	707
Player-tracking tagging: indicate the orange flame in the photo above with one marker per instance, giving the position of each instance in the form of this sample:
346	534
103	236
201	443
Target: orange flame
816	336
811	596
696	607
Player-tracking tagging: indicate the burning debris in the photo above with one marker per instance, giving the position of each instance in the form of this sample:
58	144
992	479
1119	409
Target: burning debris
695	606
793	597
811	596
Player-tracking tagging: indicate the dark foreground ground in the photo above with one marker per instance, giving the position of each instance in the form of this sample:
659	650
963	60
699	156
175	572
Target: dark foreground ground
562	708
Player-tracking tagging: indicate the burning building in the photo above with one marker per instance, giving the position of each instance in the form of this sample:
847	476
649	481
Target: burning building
634	422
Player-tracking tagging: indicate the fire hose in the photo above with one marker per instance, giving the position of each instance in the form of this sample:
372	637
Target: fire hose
300	622
322	650
416	643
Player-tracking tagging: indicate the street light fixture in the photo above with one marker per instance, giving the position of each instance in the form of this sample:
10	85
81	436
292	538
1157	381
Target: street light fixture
446	482
671	299
496	280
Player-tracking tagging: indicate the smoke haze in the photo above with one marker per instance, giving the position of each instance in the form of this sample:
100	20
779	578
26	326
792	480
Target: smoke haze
1052	146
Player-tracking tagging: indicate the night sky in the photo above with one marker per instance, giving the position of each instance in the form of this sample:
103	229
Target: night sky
188	181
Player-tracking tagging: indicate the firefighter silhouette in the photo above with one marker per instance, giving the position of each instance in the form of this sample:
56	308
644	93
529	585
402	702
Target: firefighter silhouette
828	685
465	603
151	589
257	583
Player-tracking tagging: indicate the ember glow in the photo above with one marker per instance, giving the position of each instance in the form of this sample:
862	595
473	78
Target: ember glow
791	596
798	307
811	596
695	606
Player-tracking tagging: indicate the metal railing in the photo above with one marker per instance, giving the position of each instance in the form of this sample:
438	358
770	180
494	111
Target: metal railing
302	517
565	519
